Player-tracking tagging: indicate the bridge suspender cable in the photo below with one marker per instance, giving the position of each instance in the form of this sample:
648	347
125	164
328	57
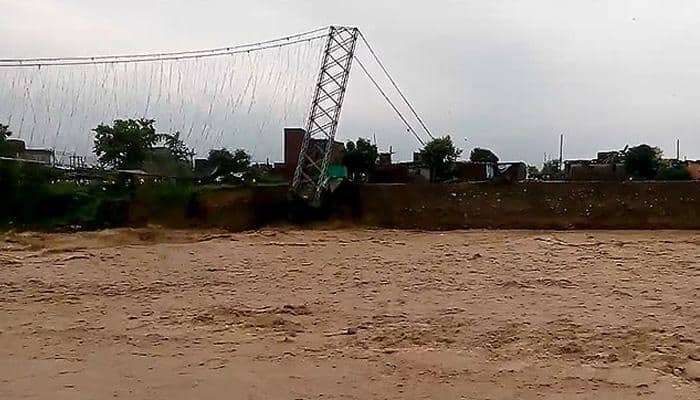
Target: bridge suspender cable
223	51
391	103
396	86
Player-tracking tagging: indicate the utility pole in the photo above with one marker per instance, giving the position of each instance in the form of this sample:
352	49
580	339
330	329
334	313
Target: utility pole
678	149
561	151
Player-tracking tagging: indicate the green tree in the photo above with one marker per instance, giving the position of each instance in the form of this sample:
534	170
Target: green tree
125	144
440	155
175	161
5	133
483	155
227	165
177	147
360	158
643	161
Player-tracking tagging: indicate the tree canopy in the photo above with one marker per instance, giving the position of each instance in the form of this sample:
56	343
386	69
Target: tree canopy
643	161
177	147
483	155
126	143
360	158
229	164
5	133
129	144
439	155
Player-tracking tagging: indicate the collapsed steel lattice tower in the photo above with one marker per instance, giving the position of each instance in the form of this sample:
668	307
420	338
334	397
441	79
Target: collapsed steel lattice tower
311	175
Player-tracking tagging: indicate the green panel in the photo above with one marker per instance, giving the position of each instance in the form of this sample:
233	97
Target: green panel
336	171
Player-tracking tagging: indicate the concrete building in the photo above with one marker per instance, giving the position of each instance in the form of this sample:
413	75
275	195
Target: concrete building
512	171
18	150
607	166
593	170
475	171
694	169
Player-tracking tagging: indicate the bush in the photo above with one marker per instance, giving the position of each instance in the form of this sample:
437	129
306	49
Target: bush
673	173
38	197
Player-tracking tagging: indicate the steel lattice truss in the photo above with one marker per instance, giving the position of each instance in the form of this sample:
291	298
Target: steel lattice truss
311	176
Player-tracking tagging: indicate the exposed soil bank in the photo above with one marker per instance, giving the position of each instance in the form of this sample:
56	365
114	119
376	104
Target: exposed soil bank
580	205
571	205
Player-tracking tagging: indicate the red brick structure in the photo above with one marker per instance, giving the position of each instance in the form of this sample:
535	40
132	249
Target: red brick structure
293	139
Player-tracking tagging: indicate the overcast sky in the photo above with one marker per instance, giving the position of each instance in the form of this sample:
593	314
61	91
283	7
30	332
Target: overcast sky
507	75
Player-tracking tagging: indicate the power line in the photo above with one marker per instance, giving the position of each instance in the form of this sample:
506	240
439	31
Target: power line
381	91
396	86
160	55
158	59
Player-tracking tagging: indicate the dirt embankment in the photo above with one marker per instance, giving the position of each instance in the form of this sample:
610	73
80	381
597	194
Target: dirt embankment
573	205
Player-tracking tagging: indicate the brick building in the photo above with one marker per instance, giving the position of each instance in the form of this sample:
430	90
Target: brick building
293	139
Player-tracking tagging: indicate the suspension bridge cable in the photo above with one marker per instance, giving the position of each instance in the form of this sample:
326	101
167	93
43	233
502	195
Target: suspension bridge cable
396	86
168	58
160	55
391	103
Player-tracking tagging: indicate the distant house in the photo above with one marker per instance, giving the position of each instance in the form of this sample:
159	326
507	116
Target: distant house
694	169
18	150
393	173
475	171
293	139
607	166
592	170
402	172
44	156
470	171
513	171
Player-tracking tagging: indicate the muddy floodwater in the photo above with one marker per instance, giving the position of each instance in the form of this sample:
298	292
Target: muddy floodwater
350	314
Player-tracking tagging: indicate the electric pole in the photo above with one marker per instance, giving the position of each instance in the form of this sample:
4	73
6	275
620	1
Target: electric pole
561	151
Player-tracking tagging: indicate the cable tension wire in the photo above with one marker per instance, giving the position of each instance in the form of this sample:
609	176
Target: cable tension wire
396	86
391	103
